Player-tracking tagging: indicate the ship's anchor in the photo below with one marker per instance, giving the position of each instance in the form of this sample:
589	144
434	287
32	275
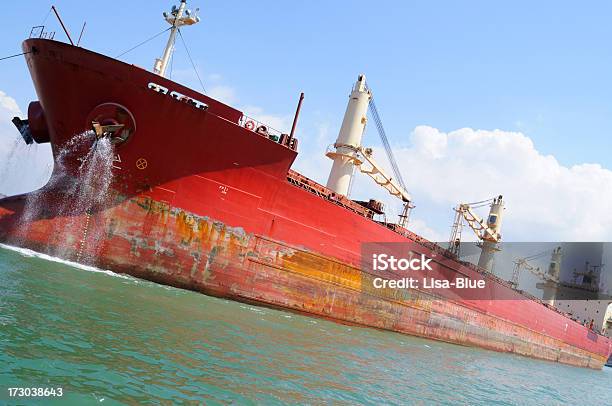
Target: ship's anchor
112	121
111	131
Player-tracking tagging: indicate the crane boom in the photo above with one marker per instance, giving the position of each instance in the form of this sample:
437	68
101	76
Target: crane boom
488	232
477	224
523	264
348	153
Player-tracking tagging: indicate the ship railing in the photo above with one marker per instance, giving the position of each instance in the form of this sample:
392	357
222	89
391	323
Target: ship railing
315	188
260	128
38	31
265	130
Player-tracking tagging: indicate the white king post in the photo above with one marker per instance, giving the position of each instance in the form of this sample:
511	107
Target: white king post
349	138
490	244
176	18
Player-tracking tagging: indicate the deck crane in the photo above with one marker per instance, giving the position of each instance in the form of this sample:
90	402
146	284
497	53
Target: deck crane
554	267
348	154
487	232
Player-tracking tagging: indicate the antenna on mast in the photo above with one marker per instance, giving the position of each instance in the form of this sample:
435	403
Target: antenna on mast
177	17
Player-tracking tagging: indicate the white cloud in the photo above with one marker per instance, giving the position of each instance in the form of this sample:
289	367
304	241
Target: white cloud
545	200
224	94
23	168
8	106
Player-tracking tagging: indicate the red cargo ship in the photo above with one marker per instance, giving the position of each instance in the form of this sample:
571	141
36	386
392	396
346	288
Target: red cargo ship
203	198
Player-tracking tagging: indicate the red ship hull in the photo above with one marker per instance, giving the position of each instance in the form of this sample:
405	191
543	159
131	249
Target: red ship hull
200	202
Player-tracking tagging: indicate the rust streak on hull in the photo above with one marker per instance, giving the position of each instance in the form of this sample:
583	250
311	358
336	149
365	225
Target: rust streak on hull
201	254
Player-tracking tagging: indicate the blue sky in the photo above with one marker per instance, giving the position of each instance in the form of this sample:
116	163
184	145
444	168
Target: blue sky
539	68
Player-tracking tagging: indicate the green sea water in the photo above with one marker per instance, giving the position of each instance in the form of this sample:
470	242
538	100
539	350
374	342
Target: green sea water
110	339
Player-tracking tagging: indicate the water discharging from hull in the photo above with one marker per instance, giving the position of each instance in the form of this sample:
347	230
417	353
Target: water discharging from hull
78	197
93	193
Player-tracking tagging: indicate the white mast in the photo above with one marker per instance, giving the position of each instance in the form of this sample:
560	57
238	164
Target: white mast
176	18
349	139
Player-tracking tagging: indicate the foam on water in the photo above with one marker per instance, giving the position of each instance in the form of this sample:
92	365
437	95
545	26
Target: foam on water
33	254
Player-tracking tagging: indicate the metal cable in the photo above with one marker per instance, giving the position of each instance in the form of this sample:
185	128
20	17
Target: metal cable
13	56
191	60
142	43
47	16
478	205
539	255
482	202
385	141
